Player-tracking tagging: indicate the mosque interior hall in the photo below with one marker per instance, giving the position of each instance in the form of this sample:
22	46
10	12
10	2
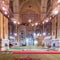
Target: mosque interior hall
30	25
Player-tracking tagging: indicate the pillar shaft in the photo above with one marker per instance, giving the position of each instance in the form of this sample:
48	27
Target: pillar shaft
54	28
58	29
5	27
1	29
4	42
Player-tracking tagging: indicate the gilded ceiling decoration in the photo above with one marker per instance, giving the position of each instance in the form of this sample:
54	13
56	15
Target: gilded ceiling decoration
30	9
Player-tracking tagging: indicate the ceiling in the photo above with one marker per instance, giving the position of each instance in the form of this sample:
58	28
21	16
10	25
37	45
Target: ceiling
30	9
34	10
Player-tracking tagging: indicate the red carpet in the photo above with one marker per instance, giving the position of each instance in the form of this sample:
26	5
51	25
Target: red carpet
29	52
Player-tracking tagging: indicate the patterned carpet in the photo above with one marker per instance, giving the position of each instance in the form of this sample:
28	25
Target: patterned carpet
11	56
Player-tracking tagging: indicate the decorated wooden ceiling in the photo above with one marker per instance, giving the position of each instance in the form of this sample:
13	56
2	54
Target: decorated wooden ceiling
30	9
34	10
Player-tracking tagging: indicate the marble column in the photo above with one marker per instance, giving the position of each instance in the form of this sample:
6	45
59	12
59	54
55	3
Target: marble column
58	31
16	16
54	28
4	42
1	29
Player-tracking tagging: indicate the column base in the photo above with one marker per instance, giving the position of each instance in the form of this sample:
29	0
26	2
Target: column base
4	44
